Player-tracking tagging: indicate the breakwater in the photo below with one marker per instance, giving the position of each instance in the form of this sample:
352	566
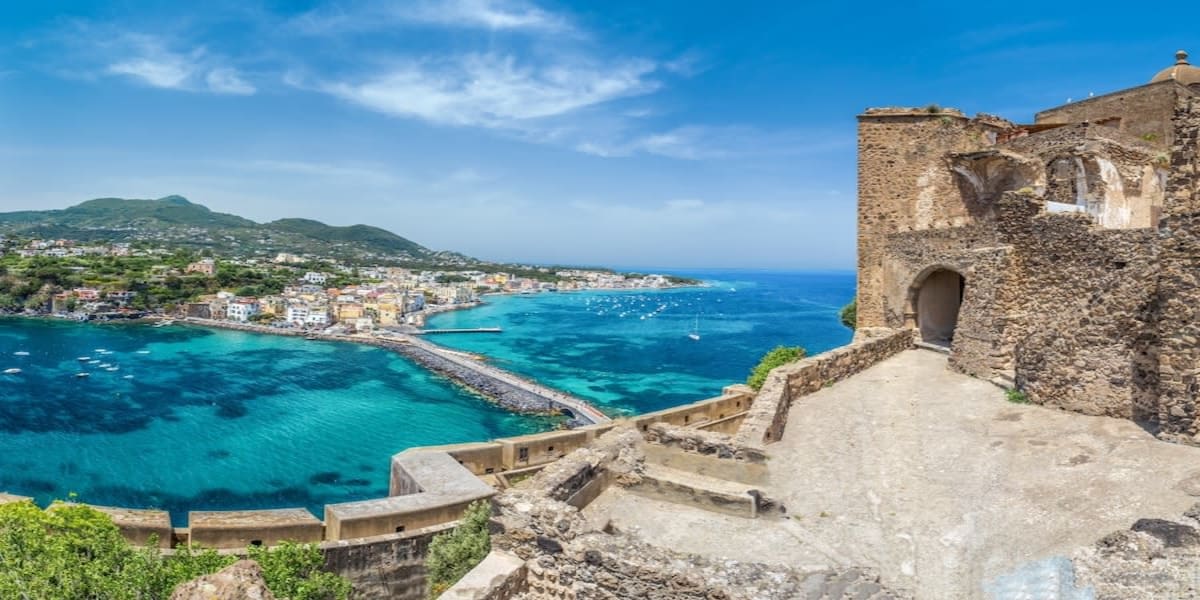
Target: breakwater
506	389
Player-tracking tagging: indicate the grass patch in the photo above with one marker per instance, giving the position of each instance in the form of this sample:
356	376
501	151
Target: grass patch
1016	396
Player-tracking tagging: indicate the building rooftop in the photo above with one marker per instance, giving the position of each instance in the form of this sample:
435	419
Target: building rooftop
1181	71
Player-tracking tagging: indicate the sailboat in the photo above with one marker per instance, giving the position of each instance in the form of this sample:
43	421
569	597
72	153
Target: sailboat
695	334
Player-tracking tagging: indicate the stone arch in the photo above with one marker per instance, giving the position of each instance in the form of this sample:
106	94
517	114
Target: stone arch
934	299
983	176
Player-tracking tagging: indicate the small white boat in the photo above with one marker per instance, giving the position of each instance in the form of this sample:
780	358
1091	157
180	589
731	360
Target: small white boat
84	358
112	369
94	361
12	371
82	374
695	334
143	352
100	350
104	365
20	353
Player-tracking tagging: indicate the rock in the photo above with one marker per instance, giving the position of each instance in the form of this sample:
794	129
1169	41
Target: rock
243	580
1173	535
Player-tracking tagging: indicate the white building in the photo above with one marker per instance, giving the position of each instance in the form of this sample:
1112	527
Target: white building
316	278
297	314
241	310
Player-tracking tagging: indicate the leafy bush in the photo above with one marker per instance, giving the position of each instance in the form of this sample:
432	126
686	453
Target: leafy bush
849	314
453	553
781	355
73	552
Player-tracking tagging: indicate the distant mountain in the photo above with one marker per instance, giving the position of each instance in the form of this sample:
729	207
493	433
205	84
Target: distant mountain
174	221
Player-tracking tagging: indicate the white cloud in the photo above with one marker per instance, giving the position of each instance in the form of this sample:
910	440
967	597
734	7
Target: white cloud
225	80
145	59
493	90
494	15
491	14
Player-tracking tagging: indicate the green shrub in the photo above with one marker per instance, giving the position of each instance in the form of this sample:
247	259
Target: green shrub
453	553
849	314
293	571
75	552
1016	396
781	355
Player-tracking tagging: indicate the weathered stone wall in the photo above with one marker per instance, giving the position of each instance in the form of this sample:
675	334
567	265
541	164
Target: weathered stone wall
1147	110
1179	281
905	183
389	566
1083	330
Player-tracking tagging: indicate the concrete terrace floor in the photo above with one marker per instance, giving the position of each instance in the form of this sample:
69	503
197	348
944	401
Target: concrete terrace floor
936	481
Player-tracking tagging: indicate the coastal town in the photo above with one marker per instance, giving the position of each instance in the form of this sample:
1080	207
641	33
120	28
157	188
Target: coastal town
67	278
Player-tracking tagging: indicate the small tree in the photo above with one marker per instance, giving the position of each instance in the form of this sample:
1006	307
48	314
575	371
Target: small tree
453	553
781	355
849	314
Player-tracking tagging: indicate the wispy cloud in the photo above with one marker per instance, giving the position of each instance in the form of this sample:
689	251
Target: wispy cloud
91	50
493	15
226	80
704	142
493	90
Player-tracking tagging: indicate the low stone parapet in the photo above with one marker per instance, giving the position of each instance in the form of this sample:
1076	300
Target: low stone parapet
767	417
139	526
707	443
501	576
428	488
239	529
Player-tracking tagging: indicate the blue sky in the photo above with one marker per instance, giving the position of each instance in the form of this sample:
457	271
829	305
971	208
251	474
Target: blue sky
691	134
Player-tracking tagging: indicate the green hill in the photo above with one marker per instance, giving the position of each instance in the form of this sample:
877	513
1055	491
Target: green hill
174	221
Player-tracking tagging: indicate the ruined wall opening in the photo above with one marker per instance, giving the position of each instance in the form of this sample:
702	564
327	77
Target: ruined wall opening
937	299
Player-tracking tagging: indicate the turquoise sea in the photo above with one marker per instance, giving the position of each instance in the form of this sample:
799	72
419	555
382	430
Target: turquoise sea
185	418
629	351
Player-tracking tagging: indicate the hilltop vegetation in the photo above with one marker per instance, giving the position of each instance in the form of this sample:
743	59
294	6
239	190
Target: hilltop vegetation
175	222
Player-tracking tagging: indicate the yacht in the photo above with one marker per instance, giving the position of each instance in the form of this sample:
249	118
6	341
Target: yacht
20	353
84	358
12	371
695	334
82	374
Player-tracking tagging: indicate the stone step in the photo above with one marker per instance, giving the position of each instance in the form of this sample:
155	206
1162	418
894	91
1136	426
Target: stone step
708	493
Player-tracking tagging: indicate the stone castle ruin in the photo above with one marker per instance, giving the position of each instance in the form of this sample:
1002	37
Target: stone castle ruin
1061	257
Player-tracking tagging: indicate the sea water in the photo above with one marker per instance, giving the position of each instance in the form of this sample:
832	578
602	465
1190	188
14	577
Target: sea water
204	419
629	351
201	419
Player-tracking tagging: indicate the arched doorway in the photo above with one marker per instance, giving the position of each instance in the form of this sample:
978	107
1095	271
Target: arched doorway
938	298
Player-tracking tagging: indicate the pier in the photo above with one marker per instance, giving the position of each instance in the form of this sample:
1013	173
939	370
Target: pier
466	330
